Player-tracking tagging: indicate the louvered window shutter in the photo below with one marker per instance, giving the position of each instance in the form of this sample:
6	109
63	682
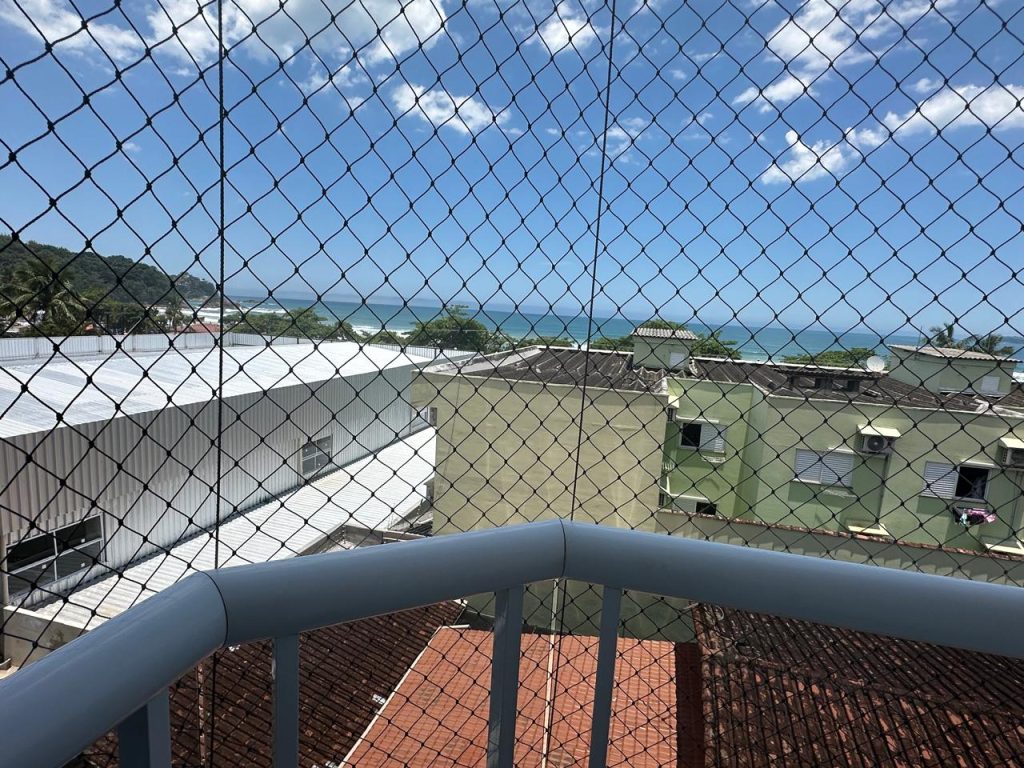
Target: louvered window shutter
712	438
807	466
939	479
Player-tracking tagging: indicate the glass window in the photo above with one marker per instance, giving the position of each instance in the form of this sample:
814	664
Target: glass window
317	454
948	481
689	435
53	555
971	482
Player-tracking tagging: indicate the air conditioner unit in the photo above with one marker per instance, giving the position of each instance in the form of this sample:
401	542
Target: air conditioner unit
877	445
671	413
1013	458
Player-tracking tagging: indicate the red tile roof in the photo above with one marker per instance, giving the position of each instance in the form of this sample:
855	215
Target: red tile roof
345	671
784	692
438	715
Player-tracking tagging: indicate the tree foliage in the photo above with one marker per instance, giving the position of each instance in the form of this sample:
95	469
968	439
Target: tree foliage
945	336
305	323
116	278
456	329
854	357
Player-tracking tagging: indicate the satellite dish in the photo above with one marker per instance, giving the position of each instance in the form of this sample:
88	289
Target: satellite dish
875	364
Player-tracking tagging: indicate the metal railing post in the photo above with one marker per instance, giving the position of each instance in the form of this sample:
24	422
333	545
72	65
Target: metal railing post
606	651
508	628
286	701
144	738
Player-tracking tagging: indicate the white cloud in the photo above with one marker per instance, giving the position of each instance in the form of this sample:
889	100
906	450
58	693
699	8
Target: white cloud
677	74
825	34
131	148
925	86
782	91
622	136
868	137
379	29
701	57
54	20
342	78
466	114
801	163
995	106
567	28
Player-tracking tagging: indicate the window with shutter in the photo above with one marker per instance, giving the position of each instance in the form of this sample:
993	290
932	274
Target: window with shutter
831	468
807	466
837	469
712	438
939	479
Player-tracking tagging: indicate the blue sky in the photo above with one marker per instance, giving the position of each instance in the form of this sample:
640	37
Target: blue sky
852	163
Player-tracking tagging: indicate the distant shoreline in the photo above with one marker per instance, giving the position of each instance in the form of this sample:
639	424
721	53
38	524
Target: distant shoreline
755	344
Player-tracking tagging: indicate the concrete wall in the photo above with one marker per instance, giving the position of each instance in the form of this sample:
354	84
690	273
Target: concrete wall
507	452
948	374
28	636
657	353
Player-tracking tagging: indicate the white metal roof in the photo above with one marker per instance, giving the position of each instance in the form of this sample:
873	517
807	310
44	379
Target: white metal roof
87	389
953	352
370	493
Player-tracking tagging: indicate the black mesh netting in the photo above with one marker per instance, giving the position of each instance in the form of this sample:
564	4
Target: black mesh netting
309	276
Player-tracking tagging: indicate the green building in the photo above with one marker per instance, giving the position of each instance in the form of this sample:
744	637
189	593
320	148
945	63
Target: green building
920	465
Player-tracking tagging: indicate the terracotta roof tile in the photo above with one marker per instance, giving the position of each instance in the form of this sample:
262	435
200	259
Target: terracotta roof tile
785	692
346	672
419	728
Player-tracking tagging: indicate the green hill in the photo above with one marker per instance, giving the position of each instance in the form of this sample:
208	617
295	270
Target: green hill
90	274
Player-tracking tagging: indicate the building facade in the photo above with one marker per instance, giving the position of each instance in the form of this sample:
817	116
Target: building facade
927	456
113	458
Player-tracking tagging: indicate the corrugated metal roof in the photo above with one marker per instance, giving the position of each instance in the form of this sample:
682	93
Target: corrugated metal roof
370	493
99	388
953	352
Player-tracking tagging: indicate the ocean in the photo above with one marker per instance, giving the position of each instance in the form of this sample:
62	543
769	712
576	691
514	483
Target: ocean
754	342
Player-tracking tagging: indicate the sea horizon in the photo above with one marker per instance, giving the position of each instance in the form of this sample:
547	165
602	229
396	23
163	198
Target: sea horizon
754	342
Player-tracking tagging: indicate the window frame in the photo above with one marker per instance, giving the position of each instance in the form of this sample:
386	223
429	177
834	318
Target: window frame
705	444
320	457
954	472
49	562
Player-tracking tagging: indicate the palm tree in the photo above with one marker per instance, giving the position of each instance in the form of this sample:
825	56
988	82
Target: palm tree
174	313
942	336
37	289
991	344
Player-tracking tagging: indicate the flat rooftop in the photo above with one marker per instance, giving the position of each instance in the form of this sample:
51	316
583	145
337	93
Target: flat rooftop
614	370
561	365
90	389
879	388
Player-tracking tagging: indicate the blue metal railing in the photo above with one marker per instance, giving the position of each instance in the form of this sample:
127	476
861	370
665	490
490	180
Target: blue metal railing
118	674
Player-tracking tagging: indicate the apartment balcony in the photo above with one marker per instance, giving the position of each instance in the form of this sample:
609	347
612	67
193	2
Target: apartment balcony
797	661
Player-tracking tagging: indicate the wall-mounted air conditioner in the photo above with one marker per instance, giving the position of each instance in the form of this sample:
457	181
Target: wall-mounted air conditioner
877	445
1013	458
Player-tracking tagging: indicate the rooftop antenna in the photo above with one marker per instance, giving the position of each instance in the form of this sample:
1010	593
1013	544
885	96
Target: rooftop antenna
875	364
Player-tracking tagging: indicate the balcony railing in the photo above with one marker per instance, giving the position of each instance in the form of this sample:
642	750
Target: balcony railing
118	675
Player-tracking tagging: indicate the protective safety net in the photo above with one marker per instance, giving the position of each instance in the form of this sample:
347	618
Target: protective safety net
284	278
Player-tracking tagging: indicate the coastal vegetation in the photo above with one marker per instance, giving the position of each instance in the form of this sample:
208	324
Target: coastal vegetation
945	336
